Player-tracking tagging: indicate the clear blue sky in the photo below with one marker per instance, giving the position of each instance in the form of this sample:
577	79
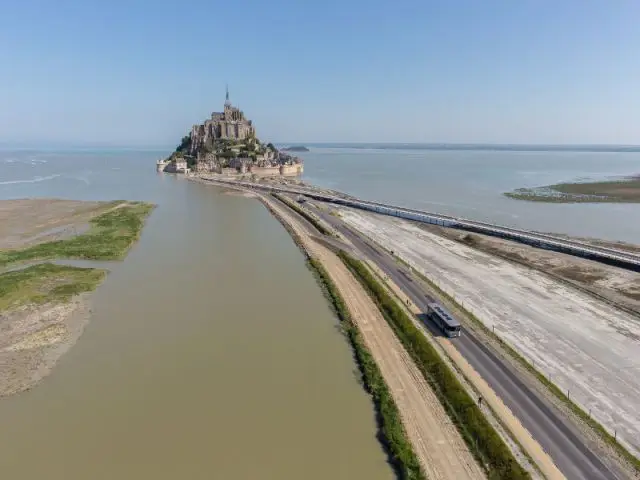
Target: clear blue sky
486	71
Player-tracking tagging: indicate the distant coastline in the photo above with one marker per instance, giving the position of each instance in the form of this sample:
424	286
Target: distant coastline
482	147
295	148
98	147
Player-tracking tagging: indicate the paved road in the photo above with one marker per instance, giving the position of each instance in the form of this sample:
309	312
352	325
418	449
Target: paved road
555	434
620	258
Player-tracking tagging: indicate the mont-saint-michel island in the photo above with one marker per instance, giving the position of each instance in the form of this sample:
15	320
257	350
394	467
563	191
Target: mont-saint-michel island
227	144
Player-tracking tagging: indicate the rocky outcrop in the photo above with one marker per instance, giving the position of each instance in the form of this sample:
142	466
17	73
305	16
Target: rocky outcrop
226	141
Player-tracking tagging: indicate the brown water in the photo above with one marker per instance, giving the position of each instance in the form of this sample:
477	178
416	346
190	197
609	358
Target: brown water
211	354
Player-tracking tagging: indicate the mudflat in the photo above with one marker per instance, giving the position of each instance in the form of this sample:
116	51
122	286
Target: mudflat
43	306
612	191
27	222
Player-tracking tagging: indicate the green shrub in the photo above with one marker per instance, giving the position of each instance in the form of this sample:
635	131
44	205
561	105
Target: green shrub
46	282
392	433
480	436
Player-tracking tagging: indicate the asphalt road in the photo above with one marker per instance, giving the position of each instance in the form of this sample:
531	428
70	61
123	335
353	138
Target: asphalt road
553	432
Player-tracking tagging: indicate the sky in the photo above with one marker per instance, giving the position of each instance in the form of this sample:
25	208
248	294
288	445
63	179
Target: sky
135	73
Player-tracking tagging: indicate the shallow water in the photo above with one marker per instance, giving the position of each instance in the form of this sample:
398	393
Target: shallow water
471	184
467	183
211	353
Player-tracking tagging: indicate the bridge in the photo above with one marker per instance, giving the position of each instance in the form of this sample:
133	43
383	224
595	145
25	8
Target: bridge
610	256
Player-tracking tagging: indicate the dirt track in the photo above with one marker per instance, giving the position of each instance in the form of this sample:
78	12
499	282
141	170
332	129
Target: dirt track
438	445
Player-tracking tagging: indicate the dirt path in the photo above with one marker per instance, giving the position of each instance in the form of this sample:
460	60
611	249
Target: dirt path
506	416
438	445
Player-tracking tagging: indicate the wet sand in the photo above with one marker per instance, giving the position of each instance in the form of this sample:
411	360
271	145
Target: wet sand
30	221
38	327
33	338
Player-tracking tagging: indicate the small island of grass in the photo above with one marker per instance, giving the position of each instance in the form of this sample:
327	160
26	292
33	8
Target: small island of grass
626	190
296	148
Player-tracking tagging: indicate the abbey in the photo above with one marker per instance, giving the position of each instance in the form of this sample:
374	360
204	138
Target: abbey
227	144
230	124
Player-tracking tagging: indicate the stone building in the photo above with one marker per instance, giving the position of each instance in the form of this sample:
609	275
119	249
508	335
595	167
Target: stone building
230	124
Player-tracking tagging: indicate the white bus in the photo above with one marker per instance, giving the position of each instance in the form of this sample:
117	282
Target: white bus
445	321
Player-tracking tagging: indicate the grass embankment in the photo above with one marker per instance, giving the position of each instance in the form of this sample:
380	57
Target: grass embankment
480	436
576	409
109	238
308	216
392	433
614	191
45	283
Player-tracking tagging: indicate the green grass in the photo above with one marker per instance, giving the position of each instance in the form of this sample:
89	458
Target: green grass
551	387
482	439
392	433
44	283
109	238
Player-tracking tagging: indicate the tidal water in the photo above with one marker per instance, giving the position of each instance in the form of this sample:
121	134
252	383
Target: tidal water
464	182
471	183
211	351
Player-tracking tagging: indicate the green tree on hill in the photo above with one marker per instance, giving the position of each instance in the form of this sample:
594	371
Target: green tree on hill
185	144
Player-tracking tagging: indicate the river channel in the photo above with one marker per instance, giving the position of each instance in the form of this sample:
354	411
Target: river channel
211	353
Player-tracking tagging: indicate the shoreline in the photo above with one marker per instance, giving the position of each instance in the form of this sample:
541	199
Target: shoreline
35	355
624	190
591	240
46	303
425	419
207	178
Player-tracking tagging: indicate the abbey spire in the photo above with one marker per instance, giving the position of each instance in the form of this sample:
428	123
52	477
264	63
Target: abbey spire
227	102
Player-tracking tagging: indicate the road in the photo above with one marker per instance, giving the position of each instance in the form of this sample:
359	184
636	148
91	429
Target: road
548	426
620	258
438	445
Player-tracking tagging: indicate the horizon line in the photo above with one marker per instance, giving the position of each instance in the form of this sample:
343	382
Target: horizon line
53	144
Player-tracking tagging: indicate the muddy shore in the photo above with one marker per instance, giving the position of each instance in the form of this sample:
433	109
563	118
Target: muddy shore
44	307
626	190
33	338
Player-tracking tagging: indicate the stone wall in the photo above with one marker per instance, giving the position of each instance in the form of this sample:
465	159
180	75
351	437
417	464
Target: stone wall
161	166
296	169
265	171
